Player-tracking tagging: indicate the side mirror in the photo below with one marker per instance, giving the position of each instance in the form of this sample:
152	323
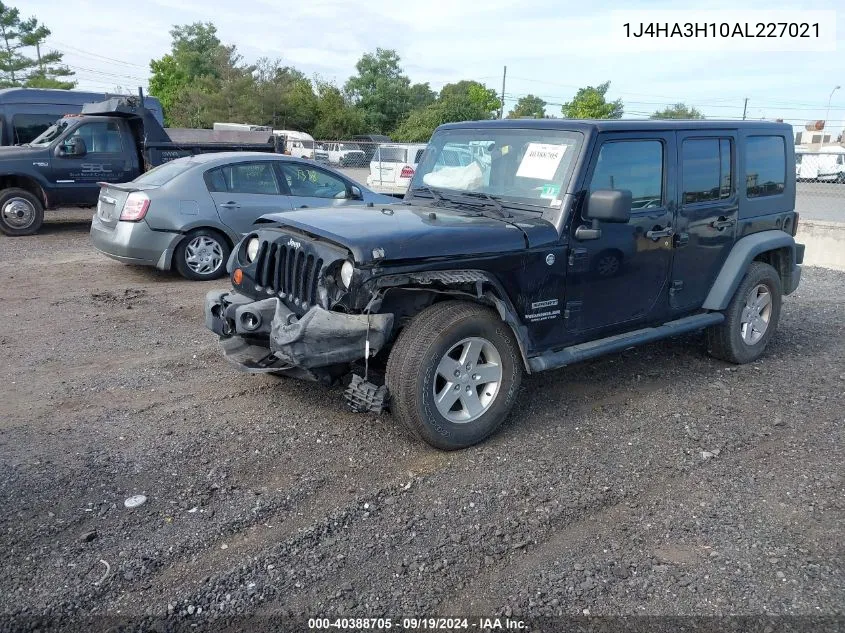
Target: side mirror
355	193
605	205
609	205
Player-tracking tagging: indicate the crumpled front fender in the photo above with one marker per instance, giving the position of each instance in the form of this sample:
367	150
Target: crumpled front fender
321	337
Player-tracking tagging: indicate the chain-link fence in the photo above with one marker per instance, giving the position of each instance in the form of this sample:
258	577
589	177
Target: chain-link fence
385	167
820	190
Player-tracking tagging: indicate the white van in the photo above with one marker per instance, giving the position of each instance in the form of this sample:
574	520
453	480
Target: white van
827	164
393	165
298	144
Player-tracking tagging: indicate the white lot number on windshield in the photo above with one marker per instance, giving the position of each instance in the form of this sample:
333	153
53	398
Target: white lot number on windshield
540	161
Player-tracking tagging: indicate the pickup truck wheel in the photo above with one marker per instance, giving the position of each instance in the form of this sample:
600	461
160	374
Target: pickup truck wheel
202	255
453	374
751	318
21	213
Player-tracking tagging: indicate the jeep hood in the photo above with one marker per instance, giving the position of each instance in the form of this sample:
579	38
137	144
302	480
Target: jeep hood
415	232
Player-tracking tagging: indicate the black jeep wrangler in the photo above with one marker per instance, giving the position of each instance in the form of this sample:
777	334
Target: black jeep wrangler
521	246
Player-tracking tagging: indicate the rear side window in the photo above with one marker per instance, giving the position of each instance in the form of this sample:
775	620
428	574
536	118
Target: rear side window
257	178
165	172
765	166
27	127
392	155
706	169
633	165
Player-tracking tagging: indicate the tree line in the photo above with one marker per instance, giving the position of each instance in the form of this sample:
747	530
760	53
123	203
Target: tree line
202	81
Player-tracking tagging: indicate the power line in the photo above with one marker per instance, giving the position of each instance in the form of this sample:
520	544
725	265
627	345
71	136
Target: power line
79	51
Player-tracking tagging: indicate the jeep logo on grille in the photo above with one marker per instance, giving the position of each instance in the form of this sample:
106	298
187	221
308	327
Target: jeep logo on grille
293	243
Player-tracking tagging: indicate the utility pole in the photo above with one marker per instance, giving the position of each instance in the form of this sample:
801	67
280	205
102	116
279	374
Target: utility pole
744	108
502	109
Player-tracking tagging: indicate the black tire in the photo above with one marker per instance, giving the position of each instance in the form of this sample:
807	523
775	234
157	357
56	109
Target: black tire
26	219
725	341
181	253
412	375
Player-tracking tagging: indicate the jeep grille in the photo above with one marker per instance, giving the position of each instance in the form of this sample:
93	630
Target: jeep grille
289	272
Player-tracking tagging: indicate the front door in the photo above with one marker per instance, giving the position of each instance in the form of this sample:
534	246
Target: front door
107	159
707	214
620	279
314	187
243	192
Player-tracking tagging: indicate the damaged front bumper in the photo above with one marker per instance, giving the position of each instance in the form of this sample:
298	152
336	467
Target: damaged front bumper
267	336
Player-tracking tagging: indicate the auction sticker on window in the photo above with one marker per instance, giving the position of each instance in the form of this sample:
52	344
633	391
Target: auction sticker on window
550	191
540	161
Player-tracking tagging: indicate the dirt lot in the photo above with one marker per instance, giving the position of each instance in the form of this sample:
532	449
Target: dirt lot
657	481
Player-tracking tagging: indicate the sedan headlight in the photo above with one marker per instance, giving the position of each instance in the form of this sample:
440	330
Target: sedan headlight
346	274
252	250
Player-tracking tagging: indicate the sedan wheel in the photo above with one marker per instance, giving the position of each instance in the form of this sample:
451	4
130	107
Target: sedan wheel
204	255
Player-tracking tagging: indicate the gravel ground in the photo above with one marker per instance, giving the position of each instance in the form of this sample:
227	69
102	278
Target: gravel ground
657	481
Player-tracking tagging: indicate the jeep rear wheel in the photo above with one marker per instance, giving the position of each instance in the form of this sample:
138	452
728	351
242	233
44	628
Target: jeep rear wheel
21	213
751	318
453	374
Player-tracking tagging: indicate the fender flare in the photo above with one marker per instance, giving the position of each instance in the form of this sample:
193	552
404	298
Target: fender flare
742	254
486	290
40	185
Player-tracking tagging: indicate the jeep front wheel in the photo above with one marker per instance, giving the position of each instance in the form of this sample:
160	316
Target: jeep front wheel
453	374
751	318
21	213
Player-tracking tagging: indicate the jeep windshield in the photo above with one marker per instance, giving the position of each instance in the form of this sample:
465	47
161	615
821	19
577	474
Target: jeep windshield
50	134
517	168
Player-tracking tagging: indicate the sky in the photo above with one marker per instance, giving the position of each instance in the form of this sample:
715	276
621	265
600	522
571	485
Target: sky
550	48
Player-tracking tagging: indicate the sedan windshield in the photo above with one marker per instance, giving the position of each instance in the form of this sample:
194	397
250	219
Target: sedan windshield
522	166
50	134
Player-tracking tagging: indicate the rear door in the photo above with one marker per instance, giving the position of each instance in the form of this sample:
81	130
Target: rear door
386	165
311	186
243	192
706	219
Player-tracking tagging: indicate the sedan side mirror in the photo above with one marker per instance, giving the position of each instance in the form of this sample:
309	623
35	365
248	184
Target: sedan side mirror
355	193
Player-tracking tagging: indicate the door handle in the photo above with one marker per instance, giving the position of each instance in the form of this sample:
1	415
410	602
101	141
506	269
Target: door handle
230	205
722	223
658	233
303	206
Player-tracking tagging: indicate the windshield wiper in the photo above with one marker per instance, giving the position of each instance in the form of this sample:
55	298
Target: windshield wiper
493	201
434	193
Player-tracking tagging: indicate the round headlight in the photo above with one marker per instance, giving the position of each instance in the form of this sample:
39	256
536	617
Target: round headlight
346	274
252	250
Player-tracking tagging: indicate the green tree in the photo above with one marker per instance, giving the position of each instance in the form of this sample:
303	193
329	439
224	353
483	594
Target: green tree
528	106
677	111
482	97
380	89
461	101
17	68
285	97
194	59
590	103
337	117
421	95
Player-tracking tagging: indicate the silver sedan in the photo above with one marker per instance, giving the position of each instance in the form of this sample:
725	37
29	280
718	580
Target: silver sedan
188	213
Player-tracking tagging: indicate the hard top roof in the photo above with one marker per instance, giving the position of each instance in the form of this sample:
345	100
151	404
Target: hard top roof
621	125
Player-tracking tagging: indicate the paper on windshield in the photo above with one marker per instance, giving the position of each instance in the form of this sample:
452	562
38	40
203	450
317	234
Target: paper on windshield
541	161
468	178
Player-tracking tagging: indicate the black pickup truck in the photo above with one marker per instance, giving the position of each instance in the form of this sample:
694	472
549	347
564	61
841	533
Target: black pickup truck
112	141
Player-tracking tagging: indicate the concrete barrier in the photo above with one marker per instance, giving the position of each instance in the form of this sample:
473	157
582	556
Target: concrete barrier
825	242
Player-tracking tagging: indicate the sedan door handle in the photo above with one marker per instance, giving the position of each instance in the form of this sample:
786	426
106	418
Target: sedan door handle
303	206
230	205
722	223
658	233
